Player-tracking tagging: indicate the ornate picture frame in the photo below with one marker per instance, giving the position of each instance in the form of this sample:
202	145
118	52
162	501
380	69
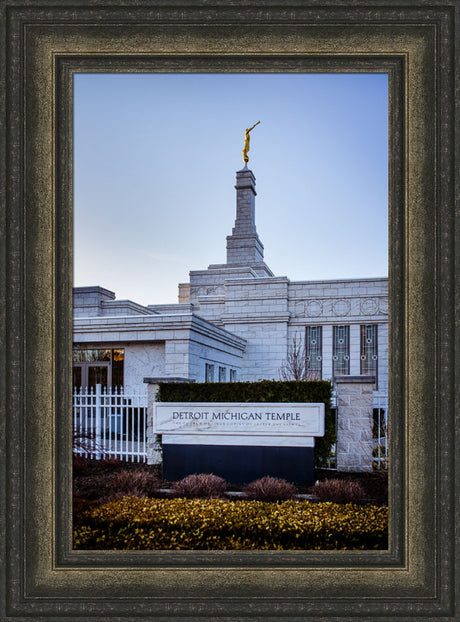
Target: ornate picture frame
43	46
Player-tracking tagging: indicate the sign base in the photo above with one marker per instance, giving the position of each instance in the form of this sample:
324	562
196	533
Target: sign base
239	465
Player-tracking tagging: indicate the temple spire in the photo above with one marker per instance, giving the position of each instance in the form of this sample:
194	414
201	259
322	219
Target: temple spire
244	246
244	249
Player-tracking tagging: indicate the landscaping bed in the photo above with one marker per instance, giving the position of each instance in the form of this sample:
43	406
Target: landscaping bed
93	481
119	505
131	523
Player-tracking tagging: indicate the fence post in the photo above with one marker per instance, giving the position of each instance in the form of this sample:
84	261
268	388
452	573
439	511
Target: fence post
381	425
153	446
354	429
98	414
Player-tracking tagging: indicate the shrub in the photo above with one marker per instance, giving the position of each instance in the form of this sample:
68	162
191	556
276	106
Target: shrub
270	489
108	486
91	487
174	524
261	391
88	466
83	441
131	484
202	486
81	466
377	486
323	444
339	491
81	505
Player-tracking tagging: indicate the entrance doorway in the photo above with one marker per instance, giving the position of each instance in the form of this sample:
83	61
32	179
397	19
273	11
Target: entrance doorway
91	374
93	366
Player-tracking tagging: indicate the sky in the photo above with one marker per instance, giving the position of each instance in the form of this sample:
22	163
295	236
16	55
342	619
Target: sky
155	158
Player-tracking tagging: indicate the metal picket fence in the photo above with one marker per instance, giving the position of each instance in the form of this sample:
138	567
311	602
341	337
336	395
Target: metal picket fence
110	423
380	429
331	461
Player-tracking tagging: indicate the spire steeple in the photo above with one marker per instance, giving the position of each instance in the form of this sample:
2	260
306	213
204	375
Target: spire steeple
245	252
244	245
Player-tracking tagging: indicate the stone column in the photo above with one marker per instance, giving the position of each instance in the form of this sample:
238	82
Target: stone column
154	448
327	351
355	349
354	422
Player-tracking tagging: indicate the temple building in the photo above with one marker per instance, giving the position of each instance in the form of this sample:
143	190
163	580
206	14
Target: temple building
234	321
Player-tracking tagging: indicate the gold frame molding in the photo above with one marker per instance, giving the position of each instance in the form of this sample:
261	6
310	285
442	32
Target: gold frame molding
43	45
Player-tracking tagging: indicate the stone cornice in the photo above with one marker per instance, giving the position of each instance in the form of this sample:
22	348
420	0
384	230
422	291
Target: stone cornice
211	300
335	297
261	280
335	320
258	318
379	279
158	324
126	304
94	289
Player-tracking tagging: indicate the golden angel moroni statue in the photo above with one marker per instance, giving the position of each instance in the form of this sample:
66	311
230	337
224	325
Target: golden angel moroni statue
246	142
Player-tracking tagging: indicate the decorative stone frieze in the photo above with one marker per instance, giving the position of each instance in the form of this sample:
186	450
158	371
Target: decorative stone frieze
341	307
369	306
314	308
327	307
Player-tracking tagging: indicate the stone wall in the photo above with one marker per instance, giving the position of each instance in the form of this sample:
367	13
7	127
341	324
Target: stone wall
154	449
143	359
154	453
269	311
354	422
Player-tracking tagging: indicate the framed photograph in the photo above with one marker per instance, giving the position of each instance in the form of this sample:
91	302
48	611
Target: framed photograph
44	47
293	252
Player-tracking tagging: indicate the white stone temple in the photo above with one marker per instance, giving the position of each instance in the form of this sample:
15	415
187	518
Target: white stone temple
235	322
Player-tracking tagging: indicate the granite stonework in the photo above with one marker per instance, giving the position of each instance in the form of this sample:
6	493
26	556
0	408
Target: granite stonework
237	321
244	297
154	447
244	246
154	441
268	312
143	359
354	423
168	344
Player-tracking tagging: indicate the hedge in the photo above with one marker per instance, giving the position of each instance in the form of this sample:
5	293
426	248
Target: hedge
173	524
261	391
318	391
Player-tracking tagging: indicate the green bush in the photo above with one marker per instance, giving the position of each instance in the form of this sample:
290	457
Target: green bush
261	391
318	391
169	524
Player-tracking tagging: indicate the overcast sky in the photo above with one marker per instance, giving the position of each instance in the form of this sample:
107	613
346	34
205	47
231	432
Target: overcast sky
155	157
